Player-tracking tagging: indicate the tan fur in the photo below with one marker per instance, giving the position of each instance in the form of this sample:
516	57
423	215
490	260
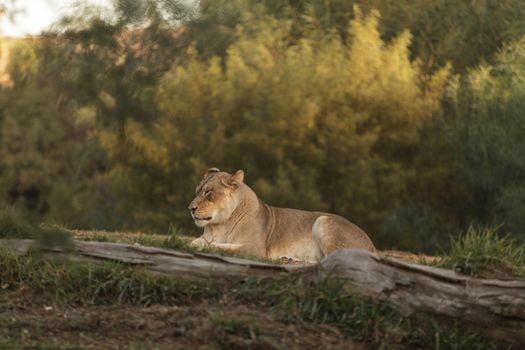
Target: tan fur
235	219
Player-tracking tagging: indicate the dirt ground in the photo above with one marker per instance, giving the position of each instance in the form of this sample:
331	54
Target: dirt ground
157	327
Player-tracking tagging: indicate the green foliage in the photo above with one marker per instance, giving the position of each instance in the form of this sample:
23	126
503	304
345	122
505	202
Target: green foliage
142	12
113	63
109	119
326	109
486	135
414	226
511	207
483	252
42	139
23	62
93	74
465	33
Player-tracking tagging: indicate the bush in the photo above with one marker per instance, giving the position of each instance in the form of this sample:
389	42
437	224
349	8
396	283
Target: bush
483	252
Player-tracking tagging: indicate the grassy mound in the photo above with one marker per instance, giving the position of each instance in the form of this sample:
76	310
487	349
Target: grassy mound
292	300
232	314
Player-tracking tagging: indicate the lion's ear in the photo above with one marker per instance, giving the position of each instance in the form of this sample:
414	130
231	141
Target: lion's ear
236	179
211	170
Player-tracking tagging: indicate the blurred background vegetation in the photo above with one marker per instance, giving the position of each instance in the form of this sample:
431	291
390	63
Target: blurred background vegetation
406	116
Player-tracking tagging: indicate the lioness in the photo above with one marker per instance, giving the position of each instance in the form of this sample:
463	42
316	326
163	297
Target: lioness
235	219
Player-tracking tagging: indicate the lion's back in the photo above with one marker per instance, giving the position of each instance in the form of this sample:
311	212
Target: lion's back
293	233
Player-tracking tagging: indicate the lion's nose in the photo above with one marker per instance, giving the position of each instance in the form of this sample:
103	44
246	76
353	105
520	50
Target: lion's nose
193	208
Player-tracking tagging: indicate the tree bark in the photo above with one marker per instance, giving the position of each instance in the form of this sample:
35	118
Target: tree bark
499	305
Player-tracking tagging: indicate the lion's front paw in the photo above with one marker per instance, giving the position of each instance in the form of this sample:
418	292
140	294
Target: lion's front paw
199	243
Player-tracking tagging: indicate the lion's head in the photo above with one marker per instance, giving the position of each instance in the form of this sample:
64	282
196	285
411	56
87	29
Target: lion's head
215	197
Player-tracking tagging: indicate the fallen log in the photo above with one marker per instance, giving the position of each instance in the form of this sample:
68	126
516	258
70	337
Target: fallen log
496	304
499	305
195	266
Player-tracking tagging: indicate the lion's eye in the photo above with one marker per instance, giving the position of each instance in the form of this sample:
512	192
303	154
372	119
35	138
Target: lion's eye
207	193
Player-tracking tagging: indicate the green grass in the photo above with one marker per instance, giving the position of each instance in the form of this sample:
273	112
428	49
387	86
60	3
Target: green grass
172	241
169	241
482	252
293	299
108	283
